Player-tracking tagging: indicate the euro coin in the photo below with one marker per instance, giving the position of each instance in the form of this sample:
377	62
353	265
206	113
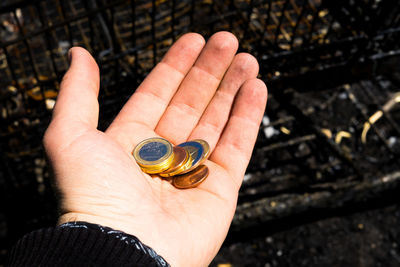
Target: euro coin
154	155
181	157
206	147
191	179
198	150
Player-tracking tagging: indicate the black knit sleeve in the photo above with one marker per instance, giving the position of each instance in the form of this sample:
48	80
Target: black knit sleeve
82	244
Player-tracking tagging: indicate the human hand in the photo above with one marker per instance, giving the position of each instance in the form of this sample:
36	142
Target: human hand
198	91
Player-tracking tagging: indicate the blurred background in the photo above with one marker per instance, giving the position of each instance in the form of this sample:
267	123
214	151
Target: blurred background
323	185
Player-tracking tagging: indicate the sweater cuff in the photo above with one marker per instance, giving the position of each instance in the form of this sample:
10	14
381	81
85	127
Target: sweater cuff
82	244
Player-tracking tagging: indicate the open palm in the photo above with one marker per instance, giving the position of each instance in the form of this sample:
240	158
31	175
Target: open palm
198	90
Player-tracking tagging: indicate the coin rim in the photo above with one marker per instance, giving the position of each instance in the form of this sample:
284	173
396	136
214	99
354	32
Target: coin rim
192	185
149	164
183	168
206	147
176	169
203	157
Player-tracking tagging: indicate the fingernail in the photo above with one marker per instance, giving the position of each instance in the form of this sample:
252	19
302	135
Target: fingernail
69	56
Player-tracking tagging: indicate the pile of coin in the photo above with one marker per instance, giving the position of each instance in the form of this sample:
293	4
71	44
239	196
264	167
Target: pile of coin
182	164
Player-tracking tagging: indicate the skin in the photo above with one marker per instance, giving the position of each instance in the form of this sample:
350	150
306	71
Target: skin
198	90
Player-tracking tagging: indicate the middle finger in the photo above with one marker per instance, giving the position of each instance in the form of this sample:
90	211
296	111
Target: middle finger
198	88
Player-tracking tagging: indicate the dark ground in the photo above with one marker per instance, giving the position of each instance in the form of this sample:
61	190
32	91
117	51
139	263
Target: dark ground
287	176
364	239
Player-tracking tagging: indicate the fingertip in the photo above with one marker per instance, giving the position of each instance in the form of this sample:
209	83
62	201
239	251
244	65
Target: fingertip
251	100
224	40
195	38
184	52
83	69
247	63
255	90
78	50
218	54
80	56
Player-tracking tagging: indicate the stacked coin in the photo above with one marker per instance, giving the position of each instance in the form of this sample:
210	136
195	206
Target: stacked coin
182	163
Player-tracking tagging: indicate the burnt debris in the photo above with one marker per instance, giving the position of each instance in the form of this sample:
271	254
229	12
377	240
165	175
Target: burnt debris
330	138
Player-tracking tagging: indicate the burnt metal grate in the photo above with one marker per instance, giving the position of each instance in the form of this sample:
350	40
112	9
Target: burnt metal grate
324	149
330	137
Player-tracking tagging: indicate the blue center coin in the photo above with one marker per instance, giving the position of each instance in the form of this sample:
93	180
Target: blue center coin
196	153
153	151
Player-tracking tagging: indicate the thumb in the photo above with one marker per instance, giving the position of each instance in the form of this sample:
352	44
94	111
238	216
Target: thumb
76	109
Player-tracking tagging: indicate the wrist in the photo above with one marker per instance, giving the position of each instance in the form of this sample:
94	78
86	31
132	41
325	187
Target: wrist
81	217
116	223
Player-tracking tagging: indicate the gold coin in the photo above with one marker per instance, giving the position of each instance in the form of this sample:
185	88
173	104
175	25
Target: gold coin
199	150
206	148
191	179
154	155
181	157
157	168
185	167
153	171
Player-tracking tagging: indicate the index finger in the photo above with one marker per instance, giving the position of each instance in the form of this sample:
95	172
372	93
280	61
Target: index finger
148	103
